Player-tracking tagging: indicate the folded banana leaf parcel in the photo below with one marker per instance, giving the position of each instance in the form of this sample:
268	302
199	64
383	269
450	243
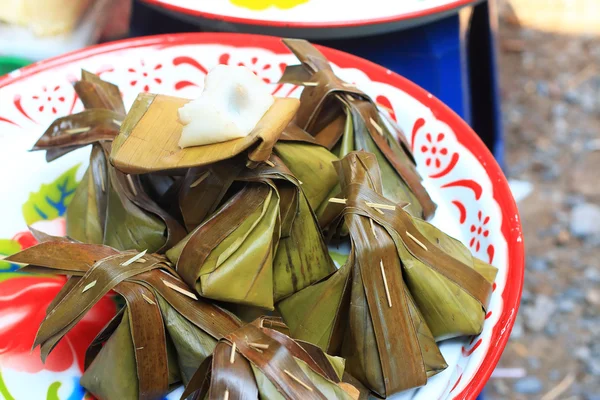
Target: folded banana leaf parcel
256	362
261	245
108	207
157	340
343	118
404	285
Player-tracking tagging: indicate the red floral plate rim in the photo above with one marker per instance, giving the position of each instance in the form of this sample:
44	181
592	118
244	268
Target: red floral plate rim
511	226
422	13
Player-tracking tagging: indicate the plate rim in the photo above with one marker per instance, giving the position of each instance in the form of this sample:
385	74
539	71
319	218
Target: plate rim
511	226
453	4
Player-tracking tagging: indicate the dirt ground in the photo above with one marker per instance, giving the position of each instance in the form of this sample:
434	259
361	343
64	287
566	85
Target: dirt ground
550	85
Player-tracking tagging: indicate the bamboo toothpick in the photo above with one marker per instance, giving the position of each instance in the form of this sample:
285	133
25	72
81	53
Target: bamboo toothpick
310	83
180	290
337	201
258	345
417	241
269	163
78	130
89	286
380	206
288	373
102	185
345	84
349	98
405	206
389	110
232	354
376	126
117	122
385	284
134	258
226	395
373	228
200	179
131	185
148	299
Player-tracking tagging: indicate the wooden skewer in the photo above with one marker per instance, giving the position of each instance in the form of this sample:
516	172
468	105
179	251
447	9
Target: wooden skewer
180	290
310	83
148	299
78	130
385	284
89	286
288	373
269	163
258	345
226	395
131	185
134	258
232	354
200	179
380	206
373	228
376	126
417	241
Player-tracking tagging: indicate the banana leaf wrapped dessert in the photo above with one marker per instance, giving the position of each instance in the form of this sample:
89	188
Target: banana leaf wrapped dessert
343	118
258	362
108	207
158	339
397	293
260	246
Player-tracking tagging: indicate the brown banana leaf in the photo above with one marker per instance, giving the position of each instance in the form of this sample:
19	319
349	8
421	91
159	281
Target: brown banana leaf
158	339
365	306
266	364
327	105
97	93
80	129
149	137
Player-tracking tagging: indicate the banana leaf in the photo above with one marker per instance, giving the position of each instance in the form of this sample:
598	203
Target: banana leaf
149	137
364	311
267	364
100	121
262	245
438	270
108	207
157	340
326	105
86	213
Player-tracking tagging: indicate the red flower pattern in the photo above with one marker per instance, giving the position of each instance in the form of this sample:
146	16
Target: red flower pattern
145	80
23	303
434	150
47	97
479	230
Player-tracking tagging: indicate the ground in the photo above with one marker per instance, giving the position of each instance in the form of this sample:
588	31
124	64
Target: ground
550	87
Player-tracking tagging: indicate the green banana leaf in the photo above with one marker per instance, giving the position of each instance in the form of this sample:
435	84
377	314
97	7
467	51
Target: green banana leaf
324	112
361	313
265	364
313	166
262	245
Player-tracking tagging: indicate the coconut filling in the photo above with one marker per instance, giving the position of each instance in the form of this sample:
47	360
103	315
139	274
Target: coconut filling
234	99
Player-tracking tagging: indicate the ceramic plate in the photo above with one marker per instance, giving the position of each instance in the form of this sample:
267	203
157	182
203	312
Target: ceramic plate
311	18
475	203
